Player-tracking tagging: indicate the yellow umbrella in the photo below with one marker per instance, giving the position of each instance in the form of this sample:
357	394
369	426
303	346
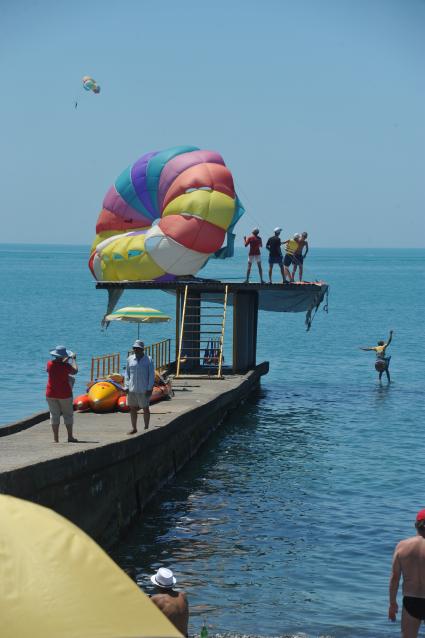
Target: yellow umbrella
56	582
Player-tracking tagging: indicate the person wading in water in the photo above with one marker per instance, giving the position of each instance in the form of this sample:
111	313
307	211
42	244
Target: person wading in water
409	562
382	363
173	604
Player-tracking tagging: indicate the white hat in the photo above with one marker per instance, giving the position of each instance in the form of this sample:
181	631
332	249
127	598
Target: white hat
163	578
277	230
138	344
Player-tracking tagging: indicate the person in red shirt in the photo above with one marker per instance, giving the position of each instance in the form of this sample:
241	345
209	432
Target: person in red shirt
254	242
59	390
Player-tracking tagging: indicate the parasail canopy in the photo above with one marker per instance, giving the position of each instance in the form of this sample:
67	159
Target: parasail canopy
90	85
164	216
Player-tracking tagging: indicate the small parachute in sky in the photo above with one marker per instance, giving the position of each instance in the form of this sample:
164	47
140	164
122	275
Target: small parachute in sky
90	85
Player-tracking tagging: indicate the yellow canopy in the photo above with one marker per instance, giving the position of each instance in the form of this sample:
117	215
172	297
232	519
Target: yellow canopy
56	582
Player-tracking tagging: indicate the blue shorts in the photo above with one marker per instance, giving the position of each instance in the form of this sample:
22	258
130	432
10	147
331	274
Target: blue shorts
278	259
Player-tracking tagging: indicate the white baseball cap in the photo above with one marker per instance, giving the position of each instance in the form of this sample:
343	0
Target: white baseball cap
277	230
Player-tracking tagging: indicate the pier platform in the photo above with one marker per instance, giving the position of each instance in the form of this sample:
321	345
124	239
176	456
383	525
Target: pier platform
104	481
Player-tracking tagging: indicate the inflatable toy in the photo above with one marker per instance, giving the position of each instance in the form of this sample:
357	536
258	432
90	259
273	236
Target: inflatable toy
165	215
106	395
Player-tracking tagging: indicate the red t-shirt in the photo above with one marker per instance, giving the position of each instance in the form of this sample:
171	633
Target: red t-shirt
254	243
58	386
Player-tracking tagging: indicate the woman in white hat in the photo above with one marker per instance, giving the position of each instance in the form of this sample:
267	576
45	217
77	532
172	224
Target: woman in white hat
59	390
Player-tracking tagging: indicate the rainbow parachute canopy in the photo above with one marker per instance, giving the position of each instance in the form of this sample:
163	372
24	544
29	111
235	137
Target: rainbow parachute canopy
90	85
165	216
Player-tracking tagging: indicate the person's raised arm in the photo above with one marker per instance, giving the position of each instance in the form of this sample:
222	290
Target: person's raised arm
72	362
393	589
368	349
390	338
246	241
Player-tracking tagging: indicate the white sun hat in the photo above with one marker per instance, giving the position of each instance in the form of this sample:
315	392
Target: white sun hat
163	578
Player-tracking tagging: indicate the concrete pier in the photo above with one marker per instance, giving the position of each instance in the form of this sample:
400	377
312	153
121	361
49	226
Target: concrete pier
103	482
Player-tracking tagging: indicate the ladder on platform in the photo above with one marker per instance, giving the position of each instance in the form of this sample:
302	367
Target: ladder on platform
201	338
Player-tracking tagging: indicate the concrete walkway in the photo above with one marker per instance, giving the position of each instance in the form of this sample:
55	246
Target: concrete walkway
35	445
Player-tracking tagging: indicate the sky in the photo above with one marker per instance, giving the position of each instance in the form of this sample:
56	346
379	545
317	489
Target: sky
317	107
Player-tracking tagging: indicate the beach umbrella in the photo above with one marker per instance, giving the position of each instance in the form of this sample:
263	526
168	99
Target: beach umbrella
138	314
56	581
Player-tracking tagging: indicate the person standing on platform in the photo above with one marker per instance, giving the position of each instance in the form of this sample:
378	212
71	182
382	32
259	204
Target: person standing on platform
382	363
275	253
60	371
291	247
409	562
300	255
173	604
254	242
139	380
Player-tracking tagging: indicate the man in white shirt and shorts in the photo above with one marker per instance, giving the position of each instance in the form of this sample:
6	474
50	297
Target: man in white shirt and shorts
139	381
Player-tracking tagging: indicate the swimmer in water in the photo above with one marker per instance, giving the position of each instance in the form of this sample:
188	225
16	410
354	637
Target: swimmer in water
382	361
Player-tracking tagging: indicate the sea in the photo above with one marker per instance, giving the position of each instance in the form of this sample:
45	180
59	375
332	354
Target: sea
284	524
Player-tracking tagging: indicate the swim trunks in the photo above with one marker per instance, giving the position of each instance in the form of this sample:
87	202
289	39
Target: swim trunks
278	259
414	606
290	259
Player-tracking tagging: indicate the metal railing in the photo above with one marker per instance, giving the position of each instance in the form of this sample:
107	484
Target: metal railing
101	367
108	364
160	353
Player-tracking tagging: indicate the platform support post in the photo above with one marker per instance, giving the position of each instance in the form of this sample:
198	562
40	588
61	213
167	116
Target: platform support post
245	321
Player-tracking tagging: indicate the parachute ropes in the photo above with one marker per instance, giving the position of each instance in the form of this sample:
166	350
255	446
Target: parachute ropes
164	216
89	84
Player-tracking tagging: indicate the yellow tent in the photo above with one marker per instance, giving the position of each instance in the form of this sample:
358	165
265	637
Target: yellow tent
56	582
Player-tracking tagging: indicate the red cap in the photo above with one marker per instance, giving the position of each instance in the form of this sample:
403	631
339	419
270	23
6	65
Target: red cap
420	516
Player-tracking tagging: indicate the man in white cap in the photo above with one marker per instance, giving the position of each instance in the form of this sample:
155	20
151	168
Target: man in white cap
254	242
139	379
275	253
173	604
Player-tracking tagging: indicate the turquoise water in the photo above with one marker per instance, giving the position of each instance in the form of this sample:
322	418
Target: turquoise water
285	523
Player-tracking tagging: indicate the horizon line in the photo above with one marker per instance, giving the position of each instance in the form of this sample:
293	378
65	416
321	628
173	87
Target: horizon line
389	247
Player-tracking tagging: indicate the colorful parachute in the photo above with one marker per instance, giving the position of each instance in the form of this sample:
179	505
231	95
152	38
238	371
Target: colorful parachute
90	85
165	216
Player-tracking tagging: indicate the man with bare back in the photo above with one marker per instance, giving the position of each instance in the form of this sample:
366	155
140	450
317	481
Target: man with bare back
409	562
173	604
